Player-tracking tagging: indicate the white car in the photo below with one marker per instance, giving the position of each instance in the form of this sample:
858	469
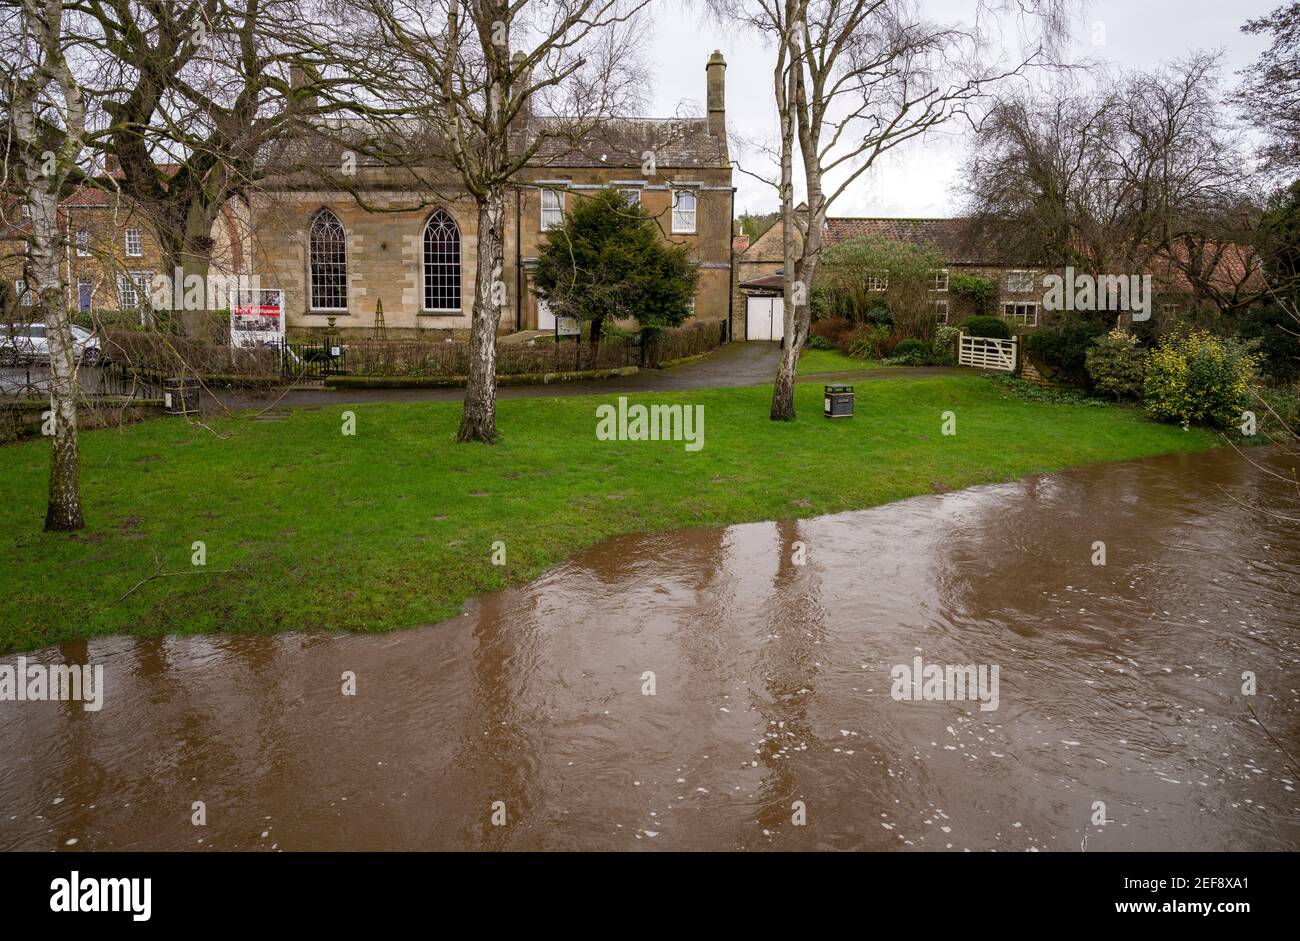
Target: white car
28	343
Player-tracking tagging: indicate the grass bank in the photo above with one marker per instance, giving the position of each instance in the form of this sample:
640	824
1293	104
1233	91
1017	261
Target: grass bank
394	526
813	362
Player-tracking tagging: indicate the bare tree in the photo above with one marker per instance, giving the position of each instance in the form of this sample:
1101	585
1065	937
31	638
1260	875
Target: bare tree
1270	91
853	79
196	94
495	111
46	135
1139	173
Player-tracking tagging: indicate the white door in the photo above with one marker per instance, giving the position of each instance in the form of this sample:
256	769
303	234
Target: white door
764	318
545	319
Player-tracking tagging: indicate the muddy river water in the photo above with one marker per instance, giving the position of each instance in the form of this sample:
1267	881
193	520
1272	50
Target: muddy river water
732	689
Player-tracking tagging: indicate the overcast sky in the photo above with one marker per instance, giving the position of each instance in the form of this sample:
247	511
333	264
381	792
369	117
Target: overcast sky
917	179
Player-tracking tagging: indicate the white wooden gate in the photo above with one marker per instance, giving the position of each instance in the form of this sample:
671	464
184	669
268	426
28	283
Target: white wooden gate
986	353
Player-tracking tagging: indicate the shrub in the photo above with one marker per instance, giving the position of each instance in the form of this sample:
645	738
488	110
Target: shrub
888	343
830	328
819	343
848	269
1065	348
944	345
1115	364
863	342
1278	413
1274	332
1198	378
911	352
985	327
880	315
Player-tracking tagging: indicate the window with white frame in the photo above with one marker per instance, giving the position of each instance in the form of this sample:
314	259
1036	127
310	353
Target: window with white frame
83	243
134	243
877	280
939	279
1026	314
940	311
1169	310
327	251
85	293
631	197
133	289
1020	282
552	209
441	263
24	295
684	203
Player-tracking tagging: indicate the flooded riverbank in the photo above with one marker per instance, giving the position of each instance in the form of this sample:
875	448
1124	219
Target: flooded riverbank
706	689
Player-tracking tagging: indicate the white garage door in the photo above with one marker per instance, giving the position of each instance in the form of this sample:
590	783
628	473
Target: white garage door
764	318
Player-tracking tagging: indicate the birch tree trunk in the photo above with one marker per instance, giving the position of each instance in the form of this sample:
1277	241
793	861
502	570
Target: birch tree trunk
43	171
478	420
784	79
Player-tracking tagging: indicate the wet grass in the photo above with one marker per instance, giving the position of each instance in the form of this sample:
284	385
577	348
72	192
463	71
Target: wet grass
813	362
394	526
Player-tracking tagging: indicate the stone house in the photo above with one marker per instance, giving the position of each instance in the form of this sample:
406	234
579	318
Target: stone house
406	236
112	260
758	286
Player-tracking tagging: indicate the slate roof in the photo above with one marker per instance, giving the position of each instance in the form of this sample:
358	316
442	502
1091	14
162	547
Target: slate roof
680	143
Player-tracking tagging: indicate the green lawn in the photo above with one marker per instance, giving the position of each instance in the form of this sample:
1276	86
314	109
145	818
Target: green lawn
394	526
813	362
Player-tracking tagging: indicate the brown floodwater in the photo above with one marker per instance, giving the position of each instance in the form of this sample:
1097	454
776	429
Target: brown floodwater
1119	684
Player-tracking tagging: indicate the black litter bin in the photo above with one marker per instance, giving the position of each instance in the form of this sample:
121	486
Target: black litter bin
181	396
838	402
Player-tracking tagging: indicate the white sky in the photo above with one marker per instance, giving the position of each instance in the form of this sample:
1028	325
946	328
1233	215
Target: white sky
916	179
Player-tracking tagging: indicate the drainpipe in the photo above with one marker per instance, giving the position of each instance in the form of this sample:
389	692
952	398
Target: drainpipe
519	266
731	269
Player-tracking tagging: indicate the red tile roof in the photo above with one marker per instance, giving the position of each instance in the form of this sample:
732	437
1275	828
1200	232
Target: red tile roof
950	236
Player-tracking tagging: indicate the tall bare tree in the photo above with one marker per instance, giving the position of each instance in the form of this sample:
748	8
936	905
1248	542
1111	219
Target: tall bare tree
1139	173
46	136
854	79
195	95
496	108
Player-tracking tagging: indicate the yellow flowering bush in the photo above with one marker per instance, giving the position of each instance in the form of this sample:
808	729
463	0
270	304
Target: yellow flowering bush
1198	378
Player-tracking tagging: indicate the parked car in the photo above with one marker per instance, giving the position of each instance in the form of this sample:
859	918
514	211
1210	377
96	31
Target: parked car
28	343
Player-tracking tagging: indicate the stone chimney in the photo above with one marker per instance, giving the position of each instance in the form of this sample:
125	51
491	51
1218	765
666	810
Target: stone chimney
740	243
716	88
300	78
522	79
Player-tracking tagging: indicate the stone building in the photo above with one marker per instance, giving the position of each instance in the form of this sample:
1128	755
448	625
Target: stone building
112	262
758	299
406	236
